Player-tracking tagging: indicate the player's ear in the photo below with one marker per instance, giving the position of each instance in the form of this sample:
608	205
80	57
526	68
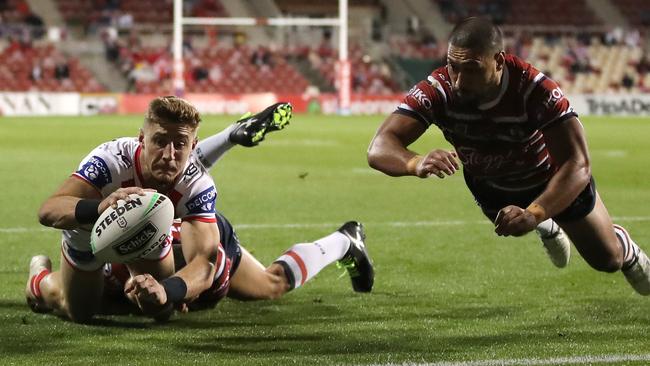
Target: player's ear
500	58
196	141
141	137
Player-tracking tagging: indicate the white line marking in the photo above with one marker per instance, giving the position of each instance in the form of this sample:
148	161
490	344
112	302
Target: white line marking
577	360
21	230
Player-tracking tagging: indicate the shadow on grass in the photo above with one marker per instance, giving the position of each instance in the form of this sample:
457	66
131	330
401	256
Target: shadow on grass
381	333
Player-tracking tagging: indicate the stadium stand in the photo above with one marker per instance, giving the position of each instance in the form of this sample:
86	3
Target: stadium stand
28	62
590	57
548	12
636	11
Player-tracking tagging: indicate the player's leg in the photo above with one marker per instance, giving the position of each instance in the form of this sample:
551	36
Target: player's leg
248	131
251	281
608	247
555	242
72	292
302	262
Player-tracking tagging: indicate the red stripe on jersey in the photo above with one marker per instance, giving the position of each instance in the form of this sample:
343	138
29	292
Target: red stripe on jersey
301	265
136	159
200	218
128	183
175	196
81	178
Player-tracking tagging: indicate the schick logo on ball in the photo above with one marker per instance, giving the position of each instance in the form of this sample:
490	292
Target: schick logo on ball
202	202
137	241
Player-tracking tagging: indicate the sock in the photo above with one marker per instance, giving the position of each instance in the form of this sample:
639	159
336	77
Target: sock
303	261
211	149
630	249
547	228
35	282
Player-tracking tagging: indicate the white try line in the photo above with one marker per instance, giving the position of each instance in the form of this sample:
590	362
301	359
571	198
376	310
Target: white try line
21	230
577	360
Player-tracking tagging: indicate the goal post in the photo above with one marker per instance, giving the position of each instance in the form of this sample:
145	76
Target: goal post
344	71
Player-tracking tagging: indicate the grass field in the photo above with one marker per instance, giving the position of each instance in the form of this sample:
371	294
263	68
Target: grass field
447	289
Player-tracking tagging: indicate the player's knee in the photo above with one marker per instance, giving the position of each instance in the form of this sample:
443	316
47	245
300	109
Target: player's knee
608	264
80	315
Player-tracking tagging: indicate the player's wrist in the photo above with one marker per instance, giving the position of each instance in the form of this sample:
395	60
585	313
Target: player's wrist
175	288
87	211
412	164
538	211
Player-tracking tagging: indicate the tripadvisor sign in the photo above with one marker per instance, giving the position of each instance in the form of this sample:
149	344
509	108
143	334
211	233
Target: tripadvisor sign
614	104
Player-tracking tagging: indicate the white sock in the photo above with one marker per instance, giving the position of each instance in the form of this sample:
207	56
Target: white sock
630	249
547	228
211	149
303	261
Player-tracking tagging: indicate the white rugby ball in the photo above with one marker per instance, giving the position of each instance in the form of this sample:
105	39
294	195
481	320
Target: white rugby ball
133	229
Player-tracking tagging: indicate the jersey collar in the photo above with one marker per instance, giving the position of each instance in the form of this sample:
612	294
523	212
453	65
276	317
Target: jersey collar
504	86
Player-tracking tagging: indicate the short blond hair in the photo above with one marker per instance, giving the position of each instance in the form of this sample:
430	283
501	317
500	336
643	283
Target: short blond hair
172	109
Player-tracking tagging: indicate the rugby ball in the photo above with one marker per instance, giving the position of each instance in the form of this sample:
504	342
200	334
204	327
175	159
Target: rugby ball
132	229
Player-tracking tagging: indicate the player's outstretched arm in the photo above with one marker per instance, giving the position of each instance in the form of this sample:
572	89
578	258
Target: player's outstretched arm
567	145
200	247
389	153
78	203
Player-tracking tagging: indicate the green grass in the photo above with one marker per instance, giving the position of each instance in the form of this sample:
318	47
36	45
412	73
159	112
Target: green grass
450	291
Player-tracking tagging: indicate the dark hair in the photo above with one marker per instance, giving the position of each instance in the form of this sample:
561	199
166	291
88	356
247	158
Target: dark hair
172	109
478	34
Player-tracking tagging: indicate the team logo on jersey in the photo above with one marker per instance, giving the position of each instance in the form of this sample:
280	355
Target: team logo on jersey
433	82
191	171
125	159
96	171
203	202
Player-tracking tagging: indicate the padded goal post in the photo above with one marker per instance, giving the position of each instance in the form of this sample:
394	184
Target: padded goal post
343	67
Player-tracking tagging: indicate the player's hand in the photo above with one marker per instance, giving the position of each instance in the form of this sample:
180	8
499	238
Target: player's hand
146	292
515	221
437	162
120	194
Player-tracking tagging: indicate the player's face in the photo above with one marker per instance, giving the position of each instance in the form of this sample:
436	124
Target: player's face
474	76
165	150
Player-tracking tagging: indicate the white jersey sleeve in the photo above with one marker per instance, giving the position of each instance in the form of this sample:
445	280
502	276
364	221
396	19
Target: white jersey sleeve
109	165
195	194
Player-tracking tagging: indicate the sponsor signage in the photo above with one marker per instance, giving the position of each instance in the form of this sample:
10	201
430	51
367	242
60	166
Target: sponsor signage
68	104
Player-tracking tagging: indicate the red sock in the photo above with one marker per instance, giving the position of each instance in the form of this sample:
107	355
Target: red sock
35	283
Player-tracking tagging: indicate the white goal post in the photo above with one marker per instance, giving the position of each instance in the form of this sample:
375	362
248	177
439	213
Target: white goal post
343	70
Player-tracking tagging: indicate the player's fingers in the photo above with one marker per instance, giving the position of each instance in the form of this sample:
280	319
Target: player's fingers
129	286
426	168
500	215
441	167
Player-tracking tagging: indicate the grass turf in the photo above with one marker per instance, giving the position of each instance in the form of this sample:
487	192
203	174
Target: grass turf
447	288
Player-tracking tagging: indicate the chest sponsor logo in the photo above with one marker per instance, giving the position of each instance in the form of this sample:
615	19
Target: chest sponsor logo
96	171
417	94
202	202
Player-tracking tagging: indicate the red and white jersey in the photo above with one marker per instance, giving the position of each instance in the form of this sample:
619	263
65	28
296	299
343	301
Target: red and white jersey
500	142
116	164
